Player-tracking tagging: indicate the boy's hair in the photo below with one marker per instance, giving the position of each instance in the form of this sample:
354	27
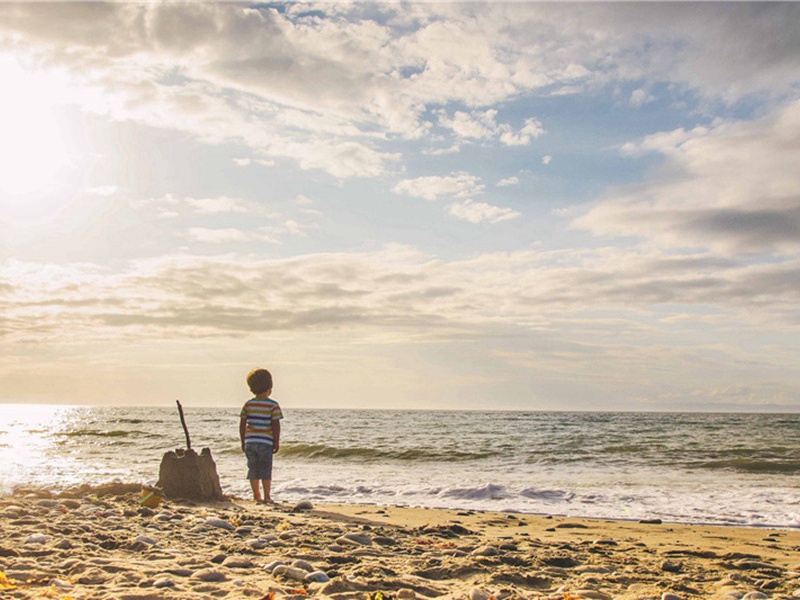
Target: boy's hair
259	381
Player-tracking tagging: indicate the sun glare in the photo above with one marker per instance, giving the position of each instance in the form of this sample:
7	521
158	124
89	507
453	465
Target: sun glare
33	152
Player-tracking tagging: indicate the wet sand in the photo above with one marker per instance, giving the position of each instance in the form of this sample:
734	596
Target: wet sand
100	543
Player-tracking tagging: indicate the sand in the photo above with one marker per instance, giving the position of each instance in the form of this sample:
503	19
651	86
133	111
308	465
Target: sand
100	543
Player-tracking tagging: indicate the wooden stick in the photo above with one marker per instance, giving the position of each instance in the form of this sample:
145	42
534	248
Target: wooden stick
185	429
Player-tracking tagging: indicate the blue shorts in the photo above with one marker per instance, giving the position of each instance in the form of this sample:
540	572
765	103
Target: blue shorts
259	460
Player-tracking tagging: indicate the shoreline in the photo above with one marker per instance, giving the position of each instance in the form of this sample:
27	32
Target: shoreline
100	543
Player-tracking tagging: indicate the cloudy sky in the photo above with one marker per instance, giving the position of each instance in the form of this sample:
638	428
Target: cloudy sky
434	205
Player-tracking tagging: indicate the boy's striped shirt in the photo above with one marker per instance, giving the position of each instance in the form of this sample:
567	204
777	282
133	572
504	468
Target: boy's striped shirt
259	415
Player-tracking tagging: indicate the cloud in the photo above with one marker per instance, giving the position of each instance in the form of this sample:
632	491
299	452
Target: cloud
331	88
457	185
507	182
399	287
639	97
732	187
222	235
482	125
246	162
477	212
531	130
171	206
547	159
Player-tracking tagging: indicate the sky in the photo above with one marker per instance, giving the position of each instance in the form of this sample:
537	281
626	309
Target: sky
519	206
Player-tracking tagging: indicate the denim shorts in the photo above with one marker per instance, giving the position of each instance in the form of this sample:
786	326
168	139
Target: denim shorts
259	460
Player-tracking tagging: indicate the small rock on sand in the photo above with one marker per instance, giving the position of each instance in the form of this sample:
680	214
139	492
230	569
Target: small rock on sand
406	594
303	505
209	575
219	523
36	538
485	551
163	582
303	564
755	596
669	596
479	594
290	572
317	577
237	562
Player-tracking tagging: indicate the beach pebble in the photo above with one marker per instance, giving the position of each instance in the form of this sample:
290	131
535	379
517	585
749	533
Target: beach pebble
406	594
237	562
477	593
591	594
669	596
384	541
256	544
317	577
485	551
36	538
303	505
290	572
755	596
592	569
145	539
163	582
303	564
61	584
672	566
209	575
219	523
64	544
275	563
354	539
71	504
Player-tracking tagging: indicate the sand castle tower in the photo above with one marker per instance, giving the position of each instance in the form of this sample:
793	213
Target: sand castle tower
186	474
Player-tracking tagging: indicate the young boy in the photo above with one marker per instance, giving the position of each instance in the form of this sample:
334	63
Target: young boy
260	433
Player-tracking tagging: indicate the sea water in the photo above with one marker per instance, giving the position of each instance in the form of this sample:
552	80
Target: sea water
741	469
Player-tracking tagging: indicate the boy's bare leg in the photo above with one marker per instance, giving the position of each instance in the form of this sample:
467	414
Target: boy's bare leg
256	492
267	485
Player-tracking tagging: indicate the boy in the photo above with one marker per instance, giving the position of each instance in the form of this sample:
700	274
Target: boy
260	433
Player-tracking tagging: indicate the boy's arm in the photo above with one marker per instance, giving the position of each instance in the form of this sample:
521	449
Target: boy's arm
276	435
242	428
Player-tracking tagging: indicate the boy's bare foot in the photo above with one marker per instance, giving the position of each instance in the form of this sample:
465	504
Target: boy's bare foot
267	501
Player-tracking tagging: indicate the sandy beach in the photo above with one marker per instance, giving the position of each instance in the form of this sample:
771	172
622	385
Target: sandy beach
100	543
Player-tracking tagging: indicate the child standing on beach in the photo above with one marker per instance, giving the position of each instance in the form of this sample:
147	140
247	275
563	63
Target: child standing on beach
260	433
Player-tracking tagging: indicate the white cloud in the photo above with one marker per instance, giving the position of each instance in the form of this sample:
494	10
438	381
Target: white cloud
731	187
530	131
483	125
477	124
326	89
223	235
246	162
212	206
547	159
477	212
457	185
640	97
507	182
173	206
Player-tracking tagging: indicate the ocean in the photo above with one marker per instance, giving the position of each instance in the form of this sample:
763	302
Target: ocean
730	469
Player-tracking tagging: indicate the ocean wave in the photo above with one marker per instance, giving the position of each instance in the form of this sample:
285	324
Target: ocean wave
324	451
116	433
555	496
489	491
750	465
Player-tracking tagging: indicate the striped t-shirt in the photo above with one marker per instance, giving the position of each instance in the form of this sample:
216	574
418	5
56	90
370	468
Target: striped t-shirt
259	415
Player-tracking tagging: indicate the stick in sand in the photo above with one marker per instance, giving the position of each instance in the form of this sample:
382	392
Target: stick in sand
185	429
